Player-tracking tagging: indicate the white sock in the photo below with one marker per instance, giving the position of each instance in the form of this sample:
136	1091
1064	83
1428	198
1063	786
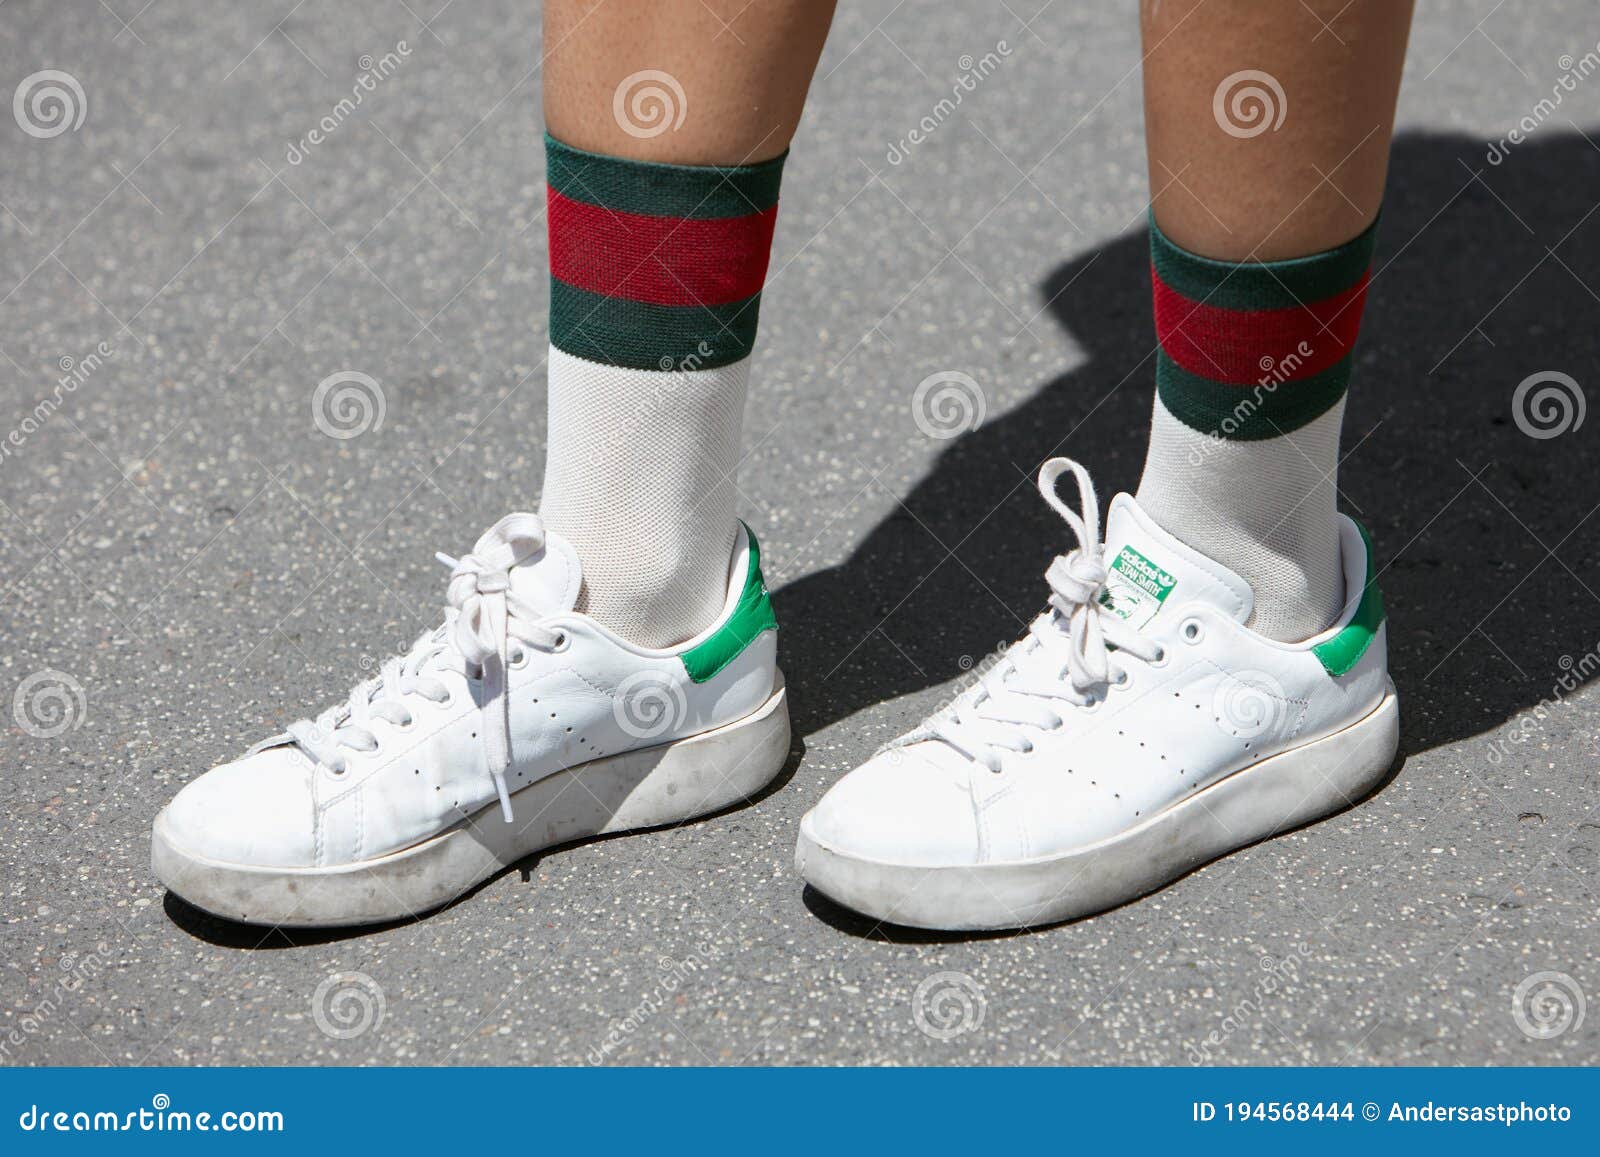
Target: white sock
1263	508
639	477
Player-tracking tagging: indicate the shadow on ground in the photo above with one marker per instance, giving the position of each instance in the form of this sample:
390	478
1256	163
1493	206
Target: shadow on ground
1478	284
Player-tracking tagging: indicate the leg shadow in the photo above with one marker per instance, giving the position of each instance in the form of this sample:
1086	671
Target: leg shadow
1485	274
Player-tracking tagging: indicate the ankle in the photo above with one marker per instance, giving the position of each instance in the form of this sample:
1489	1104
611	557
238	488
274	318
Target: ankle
652	591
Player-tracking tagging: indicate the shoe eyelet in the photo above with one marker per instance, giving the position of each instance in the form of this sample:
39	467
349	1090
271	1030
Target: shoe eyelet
1161	657
561	642
1192	630
1122	679
337	772
518	659
1090	702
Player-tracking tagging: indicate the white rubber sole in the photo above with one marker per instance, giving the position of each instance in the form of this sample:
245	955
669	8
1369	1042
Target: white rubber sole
1275	795
646	788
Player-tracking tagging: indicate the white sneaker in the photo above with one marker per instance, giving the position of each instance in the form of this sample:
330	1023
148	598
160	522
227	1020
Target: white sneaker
516	725
1136	732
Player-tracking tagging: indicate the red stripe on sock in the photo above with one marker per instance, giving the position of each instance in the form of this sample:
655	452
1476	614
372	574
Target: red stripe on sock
1244	347
659	260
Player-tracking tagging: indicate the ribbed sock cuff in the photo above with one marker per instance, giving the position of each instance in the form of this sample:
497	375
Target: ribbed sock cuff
1254	350
657	266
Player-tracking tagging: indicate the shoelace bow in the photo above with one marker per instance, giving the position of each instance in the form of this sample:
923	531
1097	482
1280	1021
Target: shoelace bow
484	624
1066	654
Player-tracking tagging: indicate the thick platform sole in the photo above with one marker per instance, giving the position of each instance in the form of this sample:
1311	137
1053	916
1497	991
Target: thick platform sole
646	788
1269	797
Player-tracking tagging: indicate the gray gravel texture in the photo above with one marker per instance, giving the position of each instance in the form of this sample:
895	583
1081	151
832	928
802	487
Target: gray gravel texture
199	564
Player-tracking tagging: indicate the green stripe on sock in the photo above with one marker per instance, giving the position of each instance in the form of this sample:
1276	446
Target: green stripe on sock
1248	413
661	190
1260	285
641	336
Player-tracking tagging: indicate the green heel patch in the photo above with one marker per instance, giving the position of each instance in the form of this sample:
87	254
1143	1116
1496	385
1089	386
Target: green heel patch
1340	654
750	617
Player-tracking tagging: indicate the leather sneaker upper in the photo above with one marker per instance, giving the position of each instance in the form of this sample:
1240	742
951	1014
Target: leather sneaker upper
514	686
1138	686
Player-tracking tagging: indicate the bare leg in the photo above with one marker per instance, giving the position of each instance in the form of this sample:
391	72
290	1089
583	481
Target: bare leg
744	69
1306	186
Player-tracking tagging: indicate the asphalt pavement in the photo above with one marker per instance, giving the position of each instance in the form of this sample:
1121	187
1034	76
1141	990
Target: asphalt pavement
191	558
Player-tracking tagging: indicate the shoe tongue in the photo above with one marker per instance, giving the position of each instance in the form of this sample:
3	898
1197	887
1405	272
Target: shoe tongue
1148	572
549	579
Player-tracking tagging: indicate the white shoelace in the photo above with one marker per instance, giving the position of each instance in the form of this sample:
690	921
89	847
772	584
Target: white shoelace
485	624
1068	652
